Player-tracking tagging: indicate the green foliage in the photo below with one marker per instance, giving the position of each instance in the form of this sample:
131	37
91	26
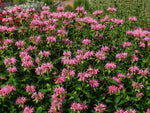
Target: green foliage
84	3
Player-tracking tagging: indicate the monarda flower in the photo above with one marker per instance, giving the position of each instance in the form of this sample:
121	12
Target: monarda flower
60	8
19	44
137	85
7	90
8	41
97	12
121	56
78	106
100	55
12	69
110	65
10	61
51	39
21	100
86	41
127	44
28	110
111	9
30	89
132	19
143	72
44	53
133	69
100	108
37	96
93	83
83	76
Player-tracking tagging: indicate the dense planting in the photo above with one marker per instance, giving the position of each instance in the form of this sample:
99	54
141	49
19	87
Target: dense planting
68	62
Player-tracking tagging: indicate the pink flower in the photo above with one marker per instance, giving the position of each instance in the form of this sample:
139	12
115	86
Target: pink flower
148	110
127	44
100	108
133	69
143	72
92	71
8	41
21	100
19	43
37	60
28	110
86	41
7	90
51	39
78	106
134	58
10	61
132	19
111	9
46	8
93	83
100	55
139	94
80	9
30	89
97	12
118	21
113	89
12	69
45	53
121	76
137	85
27	64
38	96
105	48
110	65
60	79
121	56
35	39
120	111
60	8
83	76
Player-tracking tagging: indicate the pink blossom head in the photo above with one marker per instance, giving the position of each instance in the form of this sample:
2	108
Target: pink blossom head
8	41
60	8
93	83
21	100
46	8
111	65
86	41
100	108
132	19
28	110
12	69
30	89
111	9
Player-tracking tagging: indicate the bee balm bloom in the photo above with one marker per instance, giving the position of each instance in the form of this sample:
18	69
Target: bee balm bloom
110	65
100	108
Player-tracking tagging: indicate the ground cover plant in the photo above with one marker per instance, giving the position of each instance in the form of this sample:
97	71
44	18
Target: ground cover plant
69	62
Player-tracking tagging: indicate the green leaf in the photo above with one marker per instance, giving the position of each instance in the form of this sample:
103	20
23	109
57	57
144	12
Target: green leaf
39	110
113	82
118	98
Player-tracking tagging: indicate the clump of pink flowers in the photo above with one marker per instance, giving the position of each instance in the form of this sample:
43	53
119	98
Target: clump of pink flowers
37	96
78	106
28	110
6	90
30	89
111	65
86	41
21	101
57	98
100	108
